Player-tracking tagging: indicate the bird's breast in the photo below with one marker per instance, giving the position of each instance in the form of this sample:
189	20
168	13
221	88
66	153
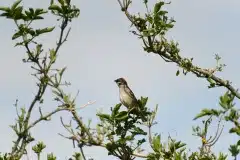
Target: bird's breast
125	99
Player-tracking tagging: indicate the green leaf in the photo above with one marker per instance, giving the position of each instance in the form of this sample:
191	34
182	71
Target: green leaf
66	98
156	143
158	6
31	11
61	2
56	8
104	116
51	2
28	14
66	10
208	112
56	80
153	156
169	25
17	35
5	15
15	4
38	17
6	9
116	109
162	13
39	11
233	114
138	131
39	49
177	73
212	82
235	130
122	115
62	71
68	2
226	101
141	141
38	147
111	147
52	55
129	138
45	30
57	93
51	157
18	13
222	156
31	32
234	150
144	101
179	144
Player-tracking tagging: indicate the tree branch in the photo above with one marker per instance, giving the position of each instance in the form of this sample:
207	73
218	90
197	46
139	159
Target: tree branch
198	71
46	117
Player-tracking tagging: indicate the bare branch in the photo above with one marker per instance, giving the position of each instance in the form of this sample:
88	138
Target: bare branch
46	117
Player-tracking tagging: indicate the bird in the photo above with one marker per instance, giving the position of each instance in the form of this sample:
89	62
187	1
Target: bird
127	97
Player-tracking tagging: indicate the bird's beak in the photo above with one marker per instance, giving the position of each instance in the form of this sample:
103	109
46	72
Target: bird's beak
116	80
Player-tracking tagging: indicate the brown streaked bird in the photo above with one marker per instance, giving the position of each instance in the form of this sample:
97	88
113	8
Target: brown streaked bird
128	98
126	95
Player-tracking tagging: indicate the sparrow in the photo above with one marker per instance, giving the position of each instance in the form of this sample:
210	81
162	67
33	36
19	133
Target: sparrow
127	97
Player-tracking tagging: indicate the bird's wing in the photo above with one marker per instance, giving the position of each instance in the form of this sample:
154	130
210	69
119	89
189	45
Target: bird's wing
130	93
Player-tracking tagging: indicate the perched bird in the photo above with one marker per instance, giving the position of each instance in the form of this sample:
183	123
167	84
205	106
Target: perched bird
128	98
126	95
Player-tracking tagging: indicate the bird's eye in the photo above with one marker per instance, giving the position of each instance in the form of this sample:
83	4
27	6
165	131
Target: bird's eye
118	83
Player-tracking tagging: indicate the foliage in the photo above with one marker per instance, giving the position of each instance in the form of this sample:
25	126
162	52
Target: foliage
122	132
41	63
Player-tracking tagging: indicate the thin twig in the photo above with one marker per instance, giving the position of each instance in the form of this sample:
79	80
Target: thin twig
83	155
46	117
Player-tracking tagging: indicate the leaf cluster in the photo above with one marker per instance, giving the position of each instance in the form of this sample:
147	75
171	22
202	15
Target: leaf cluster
122	130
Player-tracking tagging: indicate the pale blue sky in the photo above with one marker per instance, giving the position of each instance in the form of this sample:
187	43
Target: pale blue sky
100	49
